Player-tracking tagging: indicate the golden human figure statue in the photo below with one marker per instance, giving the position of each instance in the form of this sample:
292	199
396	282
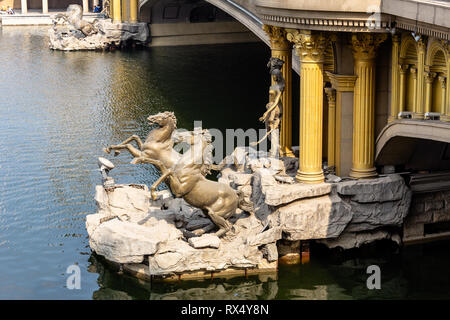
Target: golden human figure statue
274	112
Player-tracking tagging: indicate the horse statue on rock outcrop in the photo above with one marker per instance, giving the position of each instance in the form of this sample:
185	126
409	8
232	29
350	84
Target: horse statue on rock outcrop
74	17
185	173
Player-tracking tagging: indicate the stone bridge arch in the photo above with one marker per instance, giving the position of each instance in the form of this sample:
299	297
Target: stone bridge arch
238	12
414	144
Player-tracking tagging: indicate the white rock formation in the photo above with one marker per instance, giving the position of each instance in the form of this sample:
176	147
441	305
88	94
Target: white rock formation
113	34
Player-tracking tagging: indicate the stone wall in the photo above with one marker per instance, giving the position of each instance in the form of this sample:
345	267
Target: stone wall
426	208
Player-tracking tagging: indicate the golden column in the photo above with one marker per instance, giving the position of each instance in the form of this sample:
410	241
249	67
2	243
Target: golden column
447	91
125	10
429	78
413	72
116	11
331	96
443	83
310	47
364	53
419	97
133	11
395	79
403	69
282	49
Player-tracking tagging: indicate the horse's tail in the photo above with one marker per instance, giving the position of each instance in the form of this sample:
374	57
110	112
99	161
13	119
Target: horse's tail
244	204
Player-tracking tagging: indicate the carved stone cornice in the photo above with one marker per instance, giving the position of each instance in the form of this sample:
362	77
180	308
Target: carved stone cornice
365	45
277	36
309	21
309	46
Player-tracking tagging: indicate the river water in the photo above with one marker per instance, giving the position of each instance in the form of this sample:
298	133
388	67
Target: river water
58	110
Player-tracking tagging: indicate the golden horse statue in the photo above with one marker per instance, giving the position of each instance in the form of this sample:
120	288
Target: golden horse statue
185	173
74	17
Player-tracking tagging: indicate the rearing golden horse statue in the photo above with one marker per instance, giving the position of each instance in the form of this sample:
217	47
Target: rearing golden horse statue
185	173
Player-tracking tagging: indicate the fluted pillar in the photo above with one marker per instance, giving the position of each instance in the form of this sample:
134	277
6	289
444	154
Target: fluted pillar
443	84
133	11
364	53
282	49
23	6
331	98
447	91
85	6
310	47
124	11
413	72
419	87
395	79
44	6
116	11
429	78
403	70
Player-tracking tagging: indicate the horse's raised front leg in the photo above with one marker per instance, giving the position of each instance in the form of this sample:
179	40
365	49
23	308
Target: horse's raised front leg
133	150
123	145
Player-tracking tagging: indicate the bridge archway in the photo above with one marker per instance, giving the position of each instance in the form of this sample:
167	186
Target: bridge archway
238	12
415	145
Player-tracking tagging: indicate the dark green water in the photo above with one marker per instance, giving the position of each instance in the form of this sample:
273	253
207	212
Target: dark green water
58	110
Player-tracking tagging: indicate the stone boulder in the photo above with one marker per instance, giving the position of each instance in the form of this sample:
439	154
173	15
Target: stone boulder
126	242
382	189
314	218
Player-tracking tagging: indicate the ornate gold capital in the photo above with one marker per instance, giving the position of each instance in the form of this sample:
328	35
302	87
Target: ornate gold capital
429	76
277	36
443	81
421	45
331	96
395	38
413	71
403	68
309	46
365	45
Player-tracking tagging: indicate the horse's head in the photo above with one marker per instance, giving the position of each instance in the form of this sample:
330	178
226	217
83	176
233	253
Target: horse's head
163	119
74	11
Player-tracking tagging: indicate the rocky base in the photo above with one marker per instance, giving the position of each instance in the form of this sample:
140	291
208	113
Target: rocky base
146	237
114	34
